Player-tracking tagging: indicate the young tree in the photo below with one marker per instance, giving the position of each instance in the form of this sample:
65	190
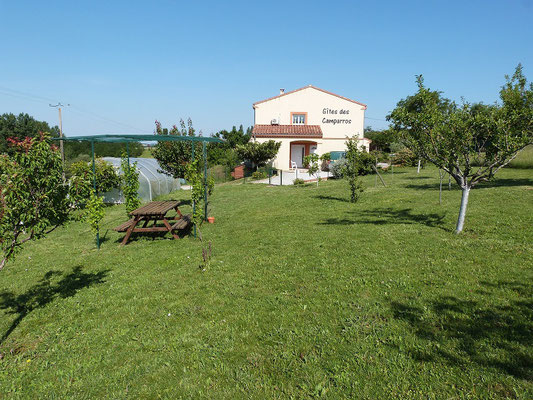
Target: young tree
352	169
451	136
130	184
259	154
174	156
194	177
313	165
33	199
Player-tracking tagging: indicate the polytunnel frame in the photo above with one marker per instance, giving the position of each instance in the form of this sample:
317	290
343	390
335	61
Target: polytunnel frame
128	138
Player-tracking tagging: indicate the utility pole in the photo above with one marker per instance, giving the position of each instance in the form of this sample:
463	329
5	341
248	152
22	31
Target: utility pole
59	105
61	148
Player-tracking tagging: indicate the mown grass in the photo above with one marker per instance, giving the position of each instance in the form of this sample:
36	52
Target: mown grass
524	159
147	153
306	295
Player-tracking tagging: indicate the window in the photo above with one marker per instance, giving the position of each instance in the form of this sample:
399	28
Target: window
298	119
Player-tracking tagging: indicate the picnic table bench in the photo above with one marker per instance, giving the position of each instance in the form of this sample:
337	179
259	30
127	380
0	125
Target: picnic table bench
154	212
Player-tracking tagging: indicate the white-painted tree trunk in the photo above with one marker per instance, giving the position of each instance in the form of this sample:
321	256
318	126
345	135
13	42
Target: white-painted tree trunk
462	211
418	169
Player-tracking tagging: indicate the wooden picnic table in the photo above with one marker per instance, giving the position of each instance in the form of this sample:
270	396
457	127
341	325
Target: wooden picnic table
154	212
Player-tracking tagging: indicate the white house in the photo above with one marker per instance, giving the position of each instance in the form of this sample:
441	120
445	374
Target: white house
308	120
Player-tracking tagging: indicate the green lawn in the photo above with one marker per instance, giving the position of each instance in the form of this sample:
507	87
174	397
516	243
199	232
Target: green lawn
306	295
147	153
524	159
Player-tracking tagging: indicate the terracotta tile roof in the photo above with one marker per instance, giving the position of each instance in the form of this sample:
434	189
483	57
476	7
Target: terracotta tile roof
305	87
287	131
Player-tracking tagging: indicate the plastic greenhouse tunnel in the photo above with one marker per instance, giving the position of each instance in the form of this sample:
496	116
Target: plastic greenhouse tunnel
151	182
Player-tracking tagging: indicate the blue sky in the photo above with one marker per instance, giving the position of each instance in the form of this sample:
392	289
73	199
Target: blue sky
123	64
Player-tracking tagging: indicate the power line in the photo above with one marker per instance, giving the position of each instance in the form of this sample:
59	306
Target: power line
41	99
105	119
377	119
35	97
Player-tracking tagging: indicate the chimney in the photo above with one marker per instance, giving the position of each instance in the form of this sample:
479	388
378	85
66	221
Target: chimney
281	91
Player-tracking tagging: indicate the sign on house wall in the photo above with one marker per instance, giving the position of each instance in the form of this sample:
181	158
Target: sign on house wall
336	116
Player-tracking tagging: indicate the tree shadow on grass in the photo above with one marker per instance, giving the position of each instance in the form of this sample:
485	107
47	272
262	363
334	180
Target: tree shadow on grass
415	178
323	197
483	185
386	216
465	331
45	292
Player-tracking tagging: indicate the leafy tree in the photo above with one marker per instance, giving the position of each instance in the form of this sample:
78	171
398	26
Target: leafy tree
381	139
174	156
130	184
33	199
222	153
106	176
453	136
94	211
81	151
20	127
194	177
313	167
352	169
259	154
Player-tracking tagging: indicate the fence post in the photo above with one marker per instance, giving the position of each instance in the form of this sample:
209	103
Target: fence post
205	179
194	202
281	177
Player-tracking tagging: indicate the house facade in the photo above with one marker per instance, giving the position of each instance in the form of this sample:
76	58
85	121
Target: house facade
308	120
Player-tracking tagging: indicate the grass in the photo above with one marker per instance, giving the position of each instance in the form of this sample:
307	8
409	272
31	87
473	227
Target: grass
147	153
306	295
524	159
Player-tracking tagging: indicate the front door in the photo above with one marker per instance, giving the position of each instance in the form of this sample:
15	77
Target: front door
297	154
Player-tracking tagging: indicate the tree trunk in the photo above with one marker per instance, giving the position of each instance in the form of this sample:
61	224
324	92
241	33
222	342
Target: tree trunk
440	186
462	211
3	263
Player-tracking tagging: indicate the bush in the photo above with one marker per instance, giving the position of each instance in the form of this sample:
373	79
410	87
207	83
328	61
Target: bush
298	181
366	160
106	176
257	175
380	156
406	158
337	168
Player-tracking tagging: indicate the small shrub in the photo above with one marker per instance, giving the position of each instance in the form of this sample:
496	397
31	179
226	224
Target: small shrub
380	156
257	175
94	211
337	168
298	181
366	161
406	158
130	184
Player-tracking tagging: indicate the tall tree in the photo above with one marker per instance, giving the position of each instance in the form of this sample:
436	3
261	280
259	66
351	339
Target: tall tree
21	126
452	136
33	199
174	156
259	154
381	139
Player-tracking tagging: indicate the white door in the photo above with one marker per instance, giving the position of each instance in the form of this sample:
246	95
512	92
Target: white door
297	154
